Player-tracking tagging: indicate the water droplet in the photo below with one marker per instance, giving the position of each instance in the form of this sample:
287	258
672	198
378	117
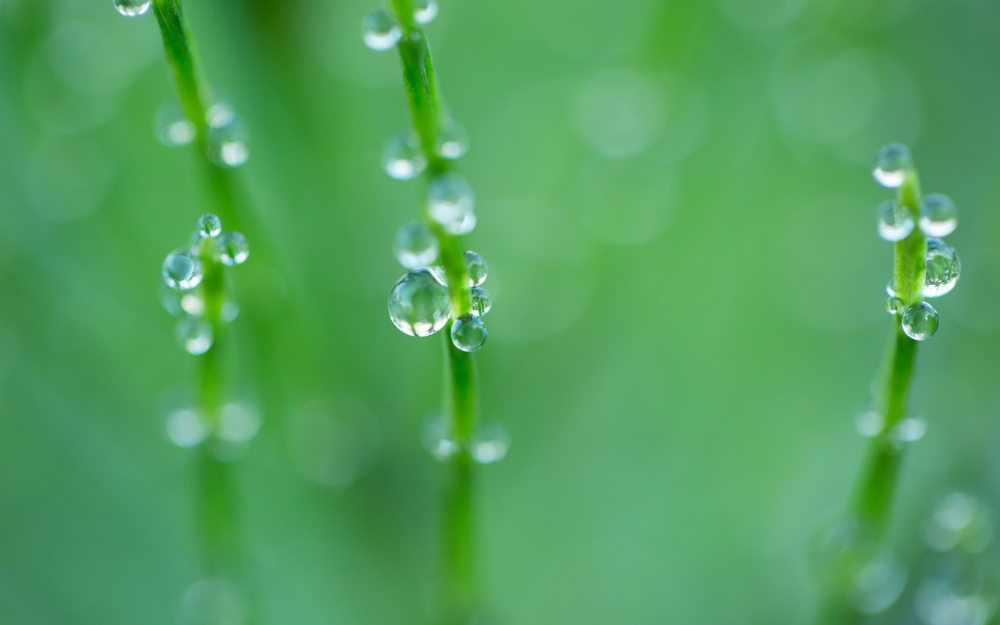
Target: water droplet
209	226
229	312
193	304
233	249
892	164
870	424
920	321
451	201
476	267
490	444
480	301
219	115
214	602
415	245
380	30
186	428
437	438
452	141
402	157
424	11
908	431
171	300
418	303
195	335
439	274
894	305
962	521
238	423
468	333
890	288
172	128
938	215
182	270
132	8
894	221
943	268
227	137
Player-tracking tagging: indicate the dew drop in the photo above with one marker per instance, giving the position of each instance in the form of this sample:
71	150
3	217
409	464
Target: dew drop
379	30
894	305
209	226
193	304
172	128
909	430
938	215
229	311
227	137
490	444
480	301
451	201
233	249
186	428
870	424
942	270
437	438
894	221
424	11
238	423
452	141
477	268
171	300
195	335
418	303
920	321
468	333
182	270
892	164
890	288
402	157
439	274
415	245
132	8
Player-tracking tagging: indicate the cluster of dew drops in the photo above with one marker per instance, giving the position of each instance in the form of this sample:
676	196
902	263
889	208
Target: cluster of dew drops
183	272
937	218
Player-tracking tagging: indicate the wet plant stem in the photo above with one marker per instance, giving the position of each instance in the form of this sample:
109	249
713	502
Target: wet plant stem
428	113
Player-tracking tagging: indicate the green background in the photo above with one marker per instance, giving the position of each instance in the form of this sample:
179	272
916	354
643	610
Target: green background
676	205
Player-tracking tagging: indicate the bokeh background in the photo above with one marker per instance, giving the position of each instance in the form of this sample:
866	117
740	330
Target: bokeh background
675	202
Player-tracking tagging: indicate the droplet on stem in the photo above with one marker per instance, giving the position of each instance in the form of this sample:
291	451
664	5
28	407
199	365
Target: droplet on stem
892	164
451	202
418	304
489	444
938	215
477	268
402	157
380	30
480	301
894	305
227	138
894	221
424	11
452	141
233	249
209	226
415	245
132	8
920	321
172	128
468	333
943	268
195	335
182	270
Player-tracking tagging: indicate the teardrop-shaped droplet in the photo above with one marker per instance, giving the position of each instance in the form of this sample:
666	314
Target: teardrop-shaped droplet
943	268
132	8
424	11
209	226
450	202
418	303
489	444
468	333
437	438
920	321
379	30
195	335
182	270
172	128
480	301
894	305
233	248
938	215
415	245
892	164
228	138
452	141
894	221
402	157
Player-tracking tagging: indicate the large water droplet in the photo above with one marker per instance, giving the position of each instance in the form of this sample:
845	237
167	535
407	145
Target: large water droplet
437	438
238	423
943	268
195	335
402	157
938	215
233	249
418	303
920	321
172	128
477	268
489	444
379	30
415	245
424	11
892	164
468	333
480	301
182	270
186	428
209	226
452	141
132	8
894	221
451	201
894	305
227	137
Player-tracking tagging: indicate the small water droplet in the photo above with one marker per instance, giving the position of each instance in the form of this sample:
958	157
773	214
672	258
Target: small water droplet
418	303
193	304
477	268
943	268
195	335
415	245
938	215
920	321
480	301
172	128
894	221
229	312
890	288
439	274
870	424
451	201
186	428
452	141
233	249
238	423
892	164
424	11
227	137
402	157
489	444
437	438
468	333
132	8
209	226
894	305
182	270
909	430
219	115
379	30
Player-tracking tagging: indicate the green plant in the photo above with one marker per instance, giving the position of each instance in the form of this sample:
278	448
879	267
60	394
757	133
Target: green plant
860	573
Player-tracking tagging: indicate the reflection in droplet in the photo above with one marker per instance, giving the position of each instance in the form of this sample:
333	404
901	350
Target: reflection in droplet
380	30
415	245
186	428
209	226
424	11
402	157
450	203
419	304
193	304
452	141
894	305
228	137
195	335
182	270
892	163
489	444
619	113
477	268
234	249
215	601
480	301
132	8
468	333
920	321
894	221
943	268
938	215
